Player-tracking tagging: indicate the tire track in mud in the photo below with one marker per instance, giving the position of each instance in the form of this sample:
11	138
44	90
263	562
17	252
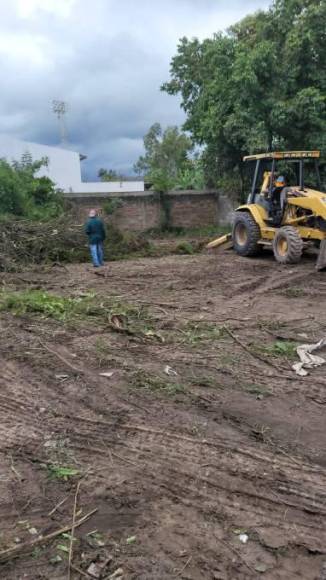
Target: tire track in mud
162	471
177	464
269	282
261	487
19	425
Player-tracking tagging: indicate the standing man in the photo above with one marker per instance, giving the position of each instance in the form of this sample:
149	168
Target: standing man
95	231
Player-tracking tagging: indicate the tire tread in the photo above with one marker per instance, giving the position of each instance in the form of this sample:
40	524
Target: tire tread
251	248
295	245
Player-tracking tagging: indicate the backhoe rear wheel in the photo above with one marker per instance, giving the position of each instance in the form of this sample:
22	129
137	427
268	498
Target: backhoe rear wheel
287	245
245	234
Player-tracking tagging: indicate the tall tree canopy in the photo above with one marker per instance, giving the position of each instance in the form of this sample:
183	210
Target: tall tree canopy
166	156
259	86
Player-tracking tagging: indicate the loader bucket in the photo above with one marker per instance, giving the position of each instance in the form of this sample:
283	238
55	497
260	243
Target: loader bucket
321	260
219	241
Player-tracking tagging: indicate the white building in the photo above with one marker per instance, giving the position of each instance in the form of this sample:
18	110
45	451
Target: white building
63	167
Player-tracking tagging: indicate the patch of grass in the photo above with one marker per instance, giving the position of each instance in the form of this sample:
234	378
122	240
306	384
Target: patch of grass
37	302
156	384
185	248
256	389
62	472
280	348
63	309
195	332
294	292
207	382
283	348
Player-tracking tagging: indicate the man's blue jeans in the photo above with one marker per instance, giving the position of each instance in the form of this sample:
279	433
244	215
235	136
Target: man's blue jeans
97	254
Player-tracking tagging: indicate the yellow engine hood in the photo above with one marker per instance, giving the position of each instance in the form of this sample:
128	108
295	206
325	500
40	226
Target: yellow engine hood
310	199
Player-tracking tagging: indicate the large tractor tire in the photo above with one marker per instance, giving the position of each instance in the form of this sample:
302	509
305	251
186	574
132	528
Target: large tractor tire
287	245
245	234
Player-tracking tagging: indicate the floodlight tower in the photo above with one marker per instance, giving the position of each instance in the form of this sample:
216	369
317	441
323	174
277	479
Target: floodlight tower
60	109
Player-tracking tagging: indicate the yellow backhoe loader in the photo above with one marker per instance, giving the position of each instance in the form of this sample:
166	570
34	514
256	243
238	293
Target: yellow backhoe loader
281	212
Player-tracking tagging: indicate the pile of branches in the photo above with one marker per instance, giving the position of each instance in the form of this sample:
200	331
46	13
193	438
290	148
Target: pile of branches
24	242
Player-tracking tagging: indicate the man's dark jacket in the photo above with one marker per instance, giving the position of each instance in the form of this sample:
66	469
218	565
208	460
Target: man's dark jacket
95	230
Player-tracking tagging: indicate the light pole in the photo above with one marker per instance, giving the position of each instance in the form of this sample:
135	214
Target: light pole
60	108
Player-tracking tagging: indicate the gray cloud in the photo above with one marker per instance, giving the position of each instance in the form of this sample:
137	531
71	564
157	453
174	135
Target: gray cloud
107	59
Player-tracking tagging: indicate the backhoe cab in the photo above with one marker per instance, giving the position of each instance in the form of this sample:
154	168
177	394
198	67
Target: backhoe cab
281	210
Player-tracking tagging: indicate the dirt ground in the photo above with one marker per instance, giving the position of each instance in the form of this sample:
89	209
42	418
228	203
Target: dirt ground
212	468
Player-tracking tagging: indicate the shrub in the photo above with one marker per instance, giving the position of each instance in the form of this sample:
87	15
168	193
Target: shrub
23	194
111	205
185	248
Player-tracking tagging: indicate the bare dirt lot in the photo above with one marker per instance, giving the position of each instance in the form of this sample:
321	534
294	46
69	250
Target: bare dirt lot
201	450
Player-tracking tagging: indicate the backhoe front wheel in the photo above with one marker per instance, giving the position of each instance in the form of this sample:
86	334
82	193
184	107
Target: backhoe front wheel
245	234
287	245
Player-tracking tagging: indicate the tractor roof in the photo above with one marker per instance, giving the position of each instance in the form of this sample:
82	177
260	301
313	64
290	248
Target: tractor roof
284	155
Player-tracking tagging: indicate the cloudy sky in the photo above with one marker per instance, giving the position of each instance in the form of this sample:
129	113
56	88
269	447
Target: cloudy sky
107	60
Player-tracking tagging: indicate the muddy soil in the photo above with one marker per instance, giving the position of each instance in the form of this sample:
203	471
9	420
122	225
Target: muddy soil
201	450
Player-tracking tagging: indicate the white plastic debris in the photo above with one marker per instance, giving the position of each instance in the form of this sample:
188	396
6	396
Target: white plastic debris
243	538
170	372
94	570
308	360
107	374
117	574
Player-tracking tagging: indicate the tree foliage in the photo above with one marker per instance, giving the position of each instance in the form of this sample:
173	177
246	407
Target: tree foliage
259	86
23	194
167	155
109	175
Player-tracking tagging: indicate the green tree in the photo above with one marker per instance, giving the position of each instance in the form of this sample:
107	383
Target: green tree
166	155
192	177
259	86
23	193
109	175
165	161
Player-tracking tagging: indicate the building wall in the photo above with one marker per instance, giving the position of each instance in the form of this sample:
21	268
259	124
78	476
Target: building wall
142	211
63	165
100	188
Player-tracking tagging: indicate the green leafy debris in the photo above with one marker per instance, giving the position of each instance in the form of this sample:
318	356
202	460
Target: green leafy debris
62	472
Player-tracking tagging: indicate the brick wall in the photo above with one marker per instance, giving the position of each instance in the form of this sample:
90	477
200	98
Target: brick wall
138	214
191	209
142	211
